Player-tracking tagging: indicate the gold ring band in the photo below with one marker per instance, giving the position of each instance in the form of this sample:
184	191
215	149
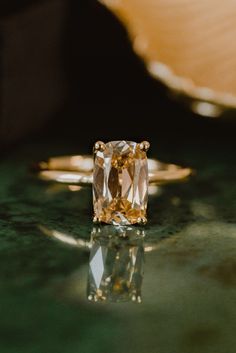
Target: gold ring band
120	174
78	170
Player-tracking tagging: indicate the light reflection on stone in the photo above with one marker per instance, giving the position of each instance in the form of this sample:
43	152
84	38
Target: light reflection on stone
120	183
116	264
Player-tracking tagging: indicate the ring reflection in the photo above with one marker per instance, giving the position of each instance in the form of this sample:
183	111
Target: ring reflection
116	261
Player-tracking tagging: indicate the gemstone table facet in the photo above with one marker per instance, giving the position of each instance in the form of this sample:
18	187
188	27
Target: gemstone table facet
120	183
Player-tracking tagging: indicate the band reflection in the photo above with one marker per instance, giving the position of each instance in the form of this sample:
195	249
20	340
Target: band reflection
116	261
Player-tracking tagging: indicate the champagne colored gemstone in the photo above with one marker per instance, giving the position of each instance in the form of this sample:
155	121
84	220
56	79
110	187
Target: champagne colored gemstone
120	183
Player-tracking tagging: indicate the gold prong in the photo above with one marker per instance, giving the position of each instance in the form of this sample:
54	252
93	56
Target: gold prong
142	221
96	220
144	146
99	146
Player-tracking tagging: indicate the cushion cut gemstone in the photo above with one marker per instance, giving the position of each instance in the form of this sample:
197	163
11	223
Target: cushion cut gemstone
120	183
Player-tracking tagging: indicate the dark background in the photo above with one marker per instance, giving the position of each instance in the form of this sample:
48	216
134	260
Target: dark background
68	72
68	77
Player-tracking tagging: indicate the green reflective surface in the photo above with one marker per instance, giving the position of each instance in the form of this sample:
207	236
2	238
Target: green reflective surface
187	283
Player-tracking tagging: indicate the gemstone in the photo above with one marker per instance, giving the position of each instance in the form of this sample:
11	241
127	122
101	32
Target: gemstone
115	267
120	183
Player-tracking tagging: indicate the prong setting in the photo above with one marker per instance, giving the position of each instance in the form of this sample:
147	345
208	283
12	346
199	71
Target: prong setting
99	146
144	146
96	220
142	221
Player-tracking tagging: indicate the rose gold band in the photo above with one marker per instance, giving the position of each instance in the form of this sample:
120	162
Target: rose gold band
78	170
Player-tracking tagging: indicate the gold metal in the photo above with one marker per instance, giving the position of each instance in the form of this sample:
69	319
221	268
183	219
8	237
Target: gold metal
96	220
142	221
78	170
144	146
99	146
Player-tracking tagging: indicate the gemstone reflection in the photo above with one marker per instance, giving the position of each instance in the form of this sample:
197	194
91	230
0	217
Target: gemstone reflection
116	265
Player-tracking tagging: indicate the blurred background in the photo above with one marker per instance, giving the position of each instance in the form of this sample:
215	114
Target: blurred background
75	71
68	71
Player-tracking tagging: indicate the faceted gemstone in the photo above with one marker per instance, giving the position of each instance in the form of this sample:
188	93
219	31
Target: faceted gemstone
120	183
115	268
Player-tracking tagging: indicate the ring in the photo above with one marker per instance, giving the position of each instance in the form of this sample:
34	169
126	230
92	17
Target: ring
116	261
120	173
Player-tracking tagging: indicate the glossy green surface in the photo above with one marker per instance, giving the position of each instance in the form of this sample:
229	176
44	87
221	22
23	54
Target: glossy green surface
189	284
